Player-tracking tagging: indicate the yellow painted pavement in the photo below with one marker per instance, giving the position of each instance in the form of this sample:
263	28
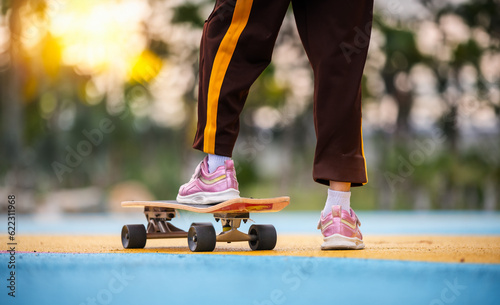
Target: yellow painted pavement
467	249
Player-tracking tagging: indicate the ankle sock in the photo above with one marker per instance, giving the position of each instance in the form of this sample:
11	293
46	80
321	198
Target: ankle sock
337	198
214	161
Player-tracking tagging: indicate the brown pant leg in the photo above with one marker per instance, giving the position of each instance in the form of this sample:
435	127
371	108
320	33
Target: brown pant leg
236	46
335	34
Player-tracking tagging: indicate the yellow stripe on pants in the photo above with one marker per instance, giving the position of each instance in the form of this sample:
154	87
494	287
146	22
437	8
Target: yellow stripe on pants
363	153
221	62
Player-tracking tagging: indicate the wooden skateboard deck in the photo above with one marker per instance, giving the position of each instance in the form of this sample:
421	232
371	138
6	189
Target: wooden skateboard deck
238	205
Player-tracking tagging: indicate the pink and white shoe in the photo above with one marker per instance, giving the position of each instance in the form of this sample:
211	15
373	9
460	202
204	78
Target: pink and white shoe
340	230
208	188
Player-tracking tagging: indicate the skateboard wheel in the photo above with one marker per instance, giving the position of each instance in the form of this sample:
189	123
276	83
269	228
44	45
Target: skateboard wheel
133	236
201	237
264	237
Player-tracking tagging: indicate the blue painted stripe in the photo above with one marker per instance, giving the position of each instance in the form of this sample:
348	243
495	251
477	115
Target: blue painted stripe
150	278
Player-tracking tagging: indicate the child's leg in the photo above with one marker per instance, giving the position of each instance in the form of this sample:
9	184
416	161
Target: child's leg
335	35
236	46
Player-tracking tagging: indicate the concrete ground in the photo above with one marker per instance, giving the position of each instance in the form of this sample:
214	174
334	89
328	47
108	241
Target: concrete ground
410	258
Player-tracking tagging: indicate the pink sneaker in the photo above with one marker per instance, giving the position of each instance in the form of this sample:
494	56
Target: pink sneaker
206	188
340	230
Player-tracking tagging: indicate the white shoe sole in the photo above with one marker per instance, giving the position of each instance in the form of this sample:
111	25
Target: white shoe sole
209	198
340	242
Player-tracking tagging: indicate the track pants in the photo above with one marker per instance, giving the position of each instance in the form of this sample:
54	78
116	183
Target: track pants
236	46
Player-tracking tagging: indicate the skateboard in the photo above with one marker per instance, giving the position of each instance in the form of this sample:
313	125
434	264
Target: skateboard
201	236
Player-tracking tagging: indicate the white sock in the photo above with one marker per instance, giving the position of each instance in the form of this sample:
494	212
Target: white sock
337	198
214	161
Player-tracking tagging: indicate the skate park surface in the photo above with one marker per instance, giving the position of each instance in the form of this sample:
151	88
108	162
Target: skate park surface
410	258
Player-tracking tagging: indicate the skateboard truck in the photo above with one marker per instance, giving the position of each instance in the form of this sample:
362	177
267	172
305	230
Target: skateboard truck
230	224
159	225
201	236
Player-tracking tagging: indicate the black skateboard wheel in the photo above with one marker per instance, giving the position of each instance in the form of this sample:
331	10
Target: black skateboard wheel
201	237
264	237
134	236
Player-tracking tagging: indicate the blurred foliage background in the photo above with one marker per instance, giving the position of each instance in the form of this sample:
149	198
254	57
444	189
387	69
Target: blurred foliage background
98	105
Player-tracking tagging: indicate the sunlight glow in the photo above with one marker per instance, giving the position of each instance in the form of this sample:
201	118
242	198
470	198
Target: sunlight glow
97	36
